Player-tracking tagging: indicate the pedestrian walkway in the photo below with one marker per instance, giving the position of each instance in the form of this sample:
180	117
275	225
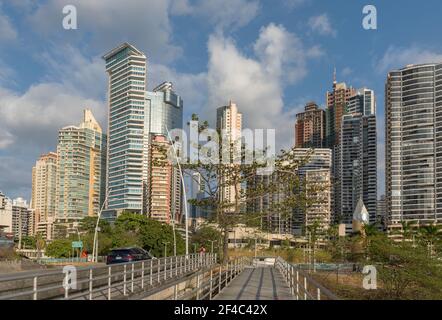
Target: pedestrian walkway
262	283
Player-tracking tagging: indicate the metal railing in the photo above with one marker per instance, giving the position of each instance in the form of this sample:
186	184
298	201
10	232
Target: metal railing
117	281
209	283
303	286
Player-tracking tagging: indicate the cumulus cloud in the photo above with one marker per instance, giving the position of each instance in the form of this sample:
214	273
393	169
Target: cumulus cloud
7	30
399	57
322	25
256	84
222	14
105	24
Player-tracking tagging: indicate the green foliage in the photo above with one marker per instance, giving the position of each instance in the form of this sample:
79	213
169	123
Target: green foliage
29	242
61	248
205	235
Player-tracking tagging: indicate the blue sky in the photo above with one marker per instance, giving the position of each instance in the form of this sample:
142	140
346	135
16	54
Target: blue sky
269	56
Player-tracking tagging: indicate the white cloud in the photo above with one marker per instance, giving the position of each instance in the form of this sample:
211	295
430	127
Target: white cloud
222	14
105	24
399	57
7	30
257	84
322	25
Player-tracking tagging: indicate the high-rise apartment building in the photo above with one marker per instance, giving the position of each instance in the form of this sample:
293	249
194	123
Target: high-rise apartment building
336	108
44	187
81	174
310	127
5	213
413	151
363	102
22	219
357	167
127	137
315	177
229	123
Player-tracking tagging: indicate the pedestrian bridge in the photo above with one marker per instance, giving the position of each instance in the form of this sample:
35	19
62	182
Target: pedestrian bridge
191	277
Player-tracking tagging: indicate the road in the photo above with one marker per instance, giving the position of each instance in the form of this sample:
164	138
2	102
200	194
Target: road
262	283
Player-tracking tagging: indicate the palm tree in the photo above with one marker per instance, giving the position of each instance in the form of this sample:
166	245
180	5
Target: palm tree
408	230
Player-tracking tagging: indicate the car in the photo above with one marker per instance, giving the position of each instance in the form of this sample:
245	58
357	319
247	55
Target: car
129	254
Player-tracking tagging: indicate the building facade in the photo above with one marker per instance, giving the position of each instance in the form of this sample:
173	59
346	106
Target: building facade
229	123
44	193
310	127
413	157
81	174
5	214
127	138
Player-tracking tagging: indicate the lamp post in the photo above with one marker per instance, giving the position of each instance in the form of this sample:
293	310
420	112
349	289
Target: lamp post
211	243
95	244
186	215
165	249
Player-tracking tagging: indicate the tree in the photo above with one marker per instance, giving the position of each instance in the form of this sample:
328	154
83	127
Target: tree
241	168
61	248
430	235
204	237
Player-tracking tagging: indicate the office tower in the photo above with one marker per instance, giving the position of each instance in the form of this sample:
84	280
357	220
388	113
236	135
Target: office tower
336	108
413	157
81	174
229	123
5	214
21	219
127	138
357	167
43	201
310	127
315	175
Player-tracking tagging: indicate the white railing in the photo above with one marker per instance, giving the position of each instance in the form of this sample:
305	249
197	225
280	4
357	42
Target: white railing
302	285
116	281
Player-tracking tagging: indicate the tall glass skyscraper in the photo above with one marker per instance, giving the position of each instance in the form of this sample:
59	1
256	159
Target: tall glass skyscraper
413	101
127	138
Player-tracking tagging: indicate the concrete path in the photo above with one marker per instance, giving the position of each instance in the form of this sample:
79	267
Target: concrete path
262	283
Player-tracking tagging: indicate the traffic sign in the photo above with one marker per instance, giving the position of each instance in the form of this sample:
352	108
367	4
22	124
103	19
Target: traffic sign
77	244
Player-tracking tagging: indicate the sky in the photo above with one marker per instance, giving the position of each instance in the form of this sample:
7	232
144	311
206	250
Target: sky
268	56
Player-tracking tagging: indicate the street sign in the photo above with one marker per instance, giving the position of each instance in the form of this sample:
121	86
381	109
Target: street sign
77	244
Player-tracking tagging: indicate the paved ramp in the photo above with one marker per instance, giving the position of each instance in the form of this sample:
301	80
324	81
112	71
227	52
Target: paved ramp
262	283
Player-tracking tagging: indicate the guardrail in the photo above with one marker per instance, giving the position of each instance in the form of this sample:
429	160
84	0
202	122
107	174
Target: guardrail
204	284
303	286
102	282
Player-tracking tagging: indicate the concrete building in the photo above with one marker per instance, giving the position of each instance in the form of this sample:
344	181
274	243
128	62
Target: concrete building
310	127
381	213
22	219
315	177
44	190
413	151
229	122
363	102
81	174
5	214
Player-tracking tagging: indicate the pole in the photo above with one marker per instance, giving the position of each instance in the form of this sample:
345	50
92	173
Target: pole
95	245
186	215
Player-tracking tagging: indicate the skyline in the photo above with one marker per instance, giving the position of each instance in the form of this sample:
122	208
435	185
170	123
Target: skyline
288	63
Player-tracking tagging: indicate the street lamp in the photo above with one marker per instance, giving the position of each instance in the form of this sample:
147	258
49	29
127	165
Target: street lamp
186	215
165	248
95	244
211	243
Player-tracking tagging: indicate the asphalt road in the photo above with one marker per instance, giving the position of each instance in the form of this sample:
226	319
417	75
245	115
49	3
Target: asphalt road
262	283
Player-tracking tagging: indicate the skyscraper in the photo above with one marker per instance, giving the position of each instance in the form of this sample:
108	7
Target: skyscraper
336	108
229	121
357	167
5	213
127	138
44	186
413	157
81	174
310	127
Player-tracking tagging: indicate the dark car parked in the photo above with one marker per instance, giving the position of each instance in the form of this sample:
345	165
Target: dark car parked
123	255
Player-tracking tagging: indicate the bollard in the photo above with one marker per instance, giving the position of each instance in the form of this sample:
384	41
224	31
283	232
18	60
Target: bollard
142	275
90	284
211	285
124	281
109	283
